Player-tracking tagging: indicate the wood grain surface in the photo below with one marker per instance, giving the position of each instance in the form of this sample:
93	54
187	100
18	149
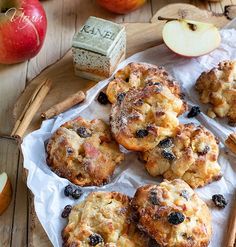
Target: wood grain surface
19	226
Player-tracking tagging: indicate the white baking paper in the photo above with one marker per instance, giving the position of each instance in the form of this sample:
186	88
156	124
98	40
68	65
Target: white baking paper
47	187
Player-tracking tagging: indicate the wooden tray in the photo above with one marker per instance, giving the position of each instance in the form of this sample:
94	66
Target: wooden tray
140	36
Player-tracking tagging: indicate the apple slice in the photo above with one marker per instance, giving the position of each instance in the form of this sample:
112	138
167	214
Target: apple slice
190	38
5	192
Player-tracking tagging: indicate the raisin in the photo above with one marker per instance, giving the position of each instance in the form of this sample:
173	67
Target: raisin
69	150
150	83
166	143
219	201
185	194
168	155
141	133
77	193
121	97
205	150
95	239
153	243
175	218
66	211
195	110
102	98
153	198
83	132
68	190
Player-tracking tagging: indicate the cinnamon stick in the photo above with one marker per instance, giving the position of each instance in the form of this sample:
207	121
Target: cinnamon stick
231	231
64	105
230	142
30	109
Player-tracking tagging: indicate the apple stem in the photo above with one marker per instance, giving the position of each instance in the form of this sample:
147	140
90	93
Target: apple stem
160	18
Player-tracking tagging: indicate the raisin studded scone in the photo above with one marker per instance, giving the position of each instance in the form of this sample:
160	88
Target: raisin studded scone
83	152
191	155
172	214
144	116
135	75
218	87
103	219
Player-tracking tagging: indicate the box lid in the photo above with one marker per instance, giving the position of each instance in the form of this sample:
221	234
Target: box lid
98	35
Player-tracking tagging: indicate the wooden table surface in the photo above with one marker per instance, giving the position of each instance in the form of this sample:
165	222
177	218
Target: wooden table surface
64	19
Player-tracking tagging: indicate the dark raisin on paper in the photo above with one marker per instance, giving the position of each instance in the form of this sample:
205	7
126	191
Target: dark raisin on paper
77	193
165	143
176	218
168	155
66	211
83	132
95	239
219	201
195	110
102	98
141	133
68	190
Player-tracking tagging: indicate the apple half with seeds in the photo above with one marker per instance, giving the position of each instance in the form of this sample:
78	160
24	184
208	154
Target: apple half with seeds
190	38
5	192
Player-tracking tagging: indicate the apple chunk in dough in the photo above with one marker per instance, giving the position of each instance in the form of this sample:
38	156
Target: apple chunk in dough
5	192
191	38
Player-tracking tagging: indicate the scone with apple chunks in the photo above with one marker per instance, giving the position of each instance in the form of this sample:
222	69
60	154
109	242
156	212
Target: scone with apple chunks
137	75
142	117
83	152
103	219
218	87
191	155
172	214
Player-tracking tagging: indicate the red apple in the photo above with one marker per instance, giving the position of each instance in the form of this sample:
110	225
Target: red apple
23	27
121	6
191	38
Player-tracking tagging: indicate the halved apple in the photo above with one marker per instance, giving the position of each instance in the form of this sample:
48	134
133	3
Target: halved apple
5	192
191	38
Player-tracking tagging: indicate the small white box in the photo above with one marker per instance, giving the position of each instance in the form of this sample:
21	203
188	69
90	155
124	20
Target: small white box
98	48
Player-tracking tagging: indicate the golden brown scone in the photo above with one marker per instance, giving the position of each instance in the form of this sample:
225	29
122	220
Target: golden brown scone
103	220
83	152
136	75
218	87
142	117
230	142
173	215
191	155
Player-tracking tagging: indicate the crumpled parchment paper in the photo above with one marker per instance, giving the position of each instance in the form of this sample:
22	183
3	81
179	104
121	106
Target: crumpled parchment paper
48	188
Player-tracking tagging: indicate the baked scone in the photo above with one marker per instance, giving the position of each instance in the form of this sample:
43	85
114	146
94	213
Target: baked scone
172	214
142	117
218	87
103	220
83	152
191	155
135	75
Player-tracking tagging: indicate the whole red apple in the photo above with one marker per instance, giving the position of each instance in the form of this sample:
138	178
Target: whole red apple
121	6
23	27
